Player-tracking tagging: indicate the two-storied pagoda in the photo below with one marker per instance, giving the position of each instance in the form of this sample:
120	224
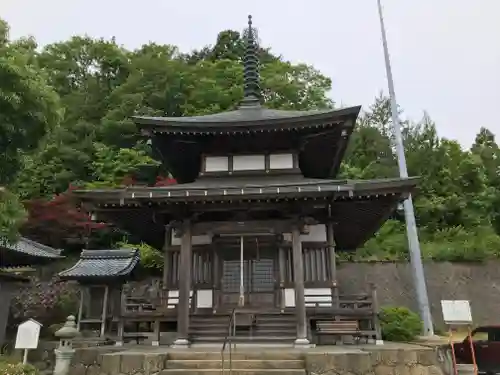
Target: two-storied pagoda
256	217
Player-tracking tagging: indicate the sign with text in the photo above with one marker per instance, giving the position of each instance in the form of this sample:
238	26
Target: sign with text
28	334
456	312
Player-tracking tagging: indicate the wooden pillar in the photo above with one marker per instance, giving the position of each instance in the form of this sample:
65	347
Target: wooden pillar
282	273
330	239
376	321
123	310
215	279
156	333
80	307
104	314
184	287
167	268
167	244
300	303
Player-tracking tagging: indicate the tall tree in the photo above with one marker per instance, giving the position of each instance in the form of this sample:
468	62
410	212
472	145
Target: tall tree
29	107
12	216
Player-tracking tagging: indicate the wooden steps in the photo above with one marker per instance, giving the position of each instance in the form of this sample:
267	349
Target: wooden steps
270	328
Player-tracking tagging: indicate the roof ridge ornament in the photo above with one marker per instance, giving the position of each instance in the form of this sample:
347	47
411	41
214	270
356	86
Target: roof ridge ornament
252	93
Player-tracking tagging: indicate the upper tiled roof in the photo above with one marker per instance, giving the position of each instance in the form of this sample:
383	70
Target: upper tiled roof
32	248
240	119
103	264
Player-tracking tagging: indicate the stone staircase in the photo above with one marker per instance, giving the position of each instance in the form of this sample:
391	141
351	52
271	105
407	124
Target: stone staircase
267	328
249	363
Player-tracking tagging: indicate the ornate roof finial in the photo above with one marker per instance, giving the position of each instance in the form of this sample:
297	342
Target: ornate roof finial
251	68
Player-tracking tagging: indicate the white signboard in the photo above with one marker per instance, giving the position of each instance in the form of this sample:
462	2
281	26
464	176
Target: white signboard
28	334
456	312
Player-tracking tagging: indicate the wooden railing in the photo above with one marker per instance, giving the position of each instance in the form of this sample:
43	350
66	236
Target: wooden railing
362	308
144	306
345	301
230	335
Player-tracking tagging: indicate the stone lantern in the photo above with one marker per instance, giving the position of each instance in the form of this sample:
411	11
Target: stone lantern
64	352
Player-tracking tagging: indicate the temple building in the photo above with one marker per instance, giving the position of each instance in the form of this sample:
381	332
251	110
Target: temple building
14	258
254	224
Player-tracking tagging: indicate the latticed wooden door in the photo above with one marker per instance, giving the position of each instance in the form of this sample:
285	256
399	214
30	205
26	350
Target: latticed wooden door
258	281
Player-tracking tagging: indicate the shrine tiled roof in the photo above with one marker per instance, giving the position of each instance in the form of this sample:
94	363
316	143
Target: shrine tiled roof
358	207
103	264
245	188
244	120
25	246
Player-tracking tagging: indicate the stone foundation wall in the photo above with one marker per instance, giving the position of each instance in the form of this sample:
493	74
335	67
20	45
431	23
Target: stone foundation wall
410	361
389	359
477	282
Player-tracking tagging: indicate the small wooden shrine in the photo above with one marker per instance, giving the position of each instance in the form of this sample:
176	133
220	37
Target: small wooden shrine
22	253
101	275
254	224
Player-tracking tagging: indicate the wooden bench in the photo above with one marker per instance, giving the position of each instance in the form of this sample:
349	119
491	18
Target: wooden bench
339	328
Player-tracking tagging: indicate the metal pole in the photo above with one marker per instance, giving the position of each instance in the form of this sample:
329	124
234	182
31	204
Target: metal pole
411	226
242	285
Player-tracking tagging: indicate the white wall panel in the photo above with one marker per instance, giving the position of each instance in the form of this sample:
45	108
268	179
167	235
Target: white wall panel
216	163
195	240
281	161
249	162
204	298
318	297
317	233
289	297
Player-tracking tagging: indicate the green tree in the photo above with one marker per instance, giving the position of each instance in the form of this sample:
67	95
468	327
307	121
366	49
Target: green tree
94	142
112	166
29	106
230	45
12	216
456	198
84	71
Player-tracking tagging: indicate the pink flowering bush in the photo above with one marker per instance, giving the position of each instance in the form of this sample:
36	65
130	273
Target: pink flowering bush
47	302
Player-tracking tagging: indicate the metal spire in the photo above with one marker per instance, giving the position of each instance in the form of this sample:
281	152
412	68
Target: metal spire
251	69
411	226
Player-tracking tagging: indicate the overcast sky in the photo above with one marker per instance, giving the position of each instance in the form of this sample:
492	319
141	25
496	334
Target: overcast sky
445	53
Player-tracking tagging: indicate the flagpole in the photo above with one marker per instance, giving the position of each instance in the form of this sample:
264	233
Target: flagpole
411	226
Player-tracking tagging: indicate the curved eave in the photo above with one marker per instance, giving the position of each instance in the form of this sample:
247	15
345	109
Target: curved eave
101	267
201	191
246	121
359	207
355	218
27	252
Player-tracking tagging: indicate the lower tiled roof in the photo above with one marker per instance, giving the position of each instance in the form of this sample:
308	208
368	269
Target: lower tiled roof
32	248
103	264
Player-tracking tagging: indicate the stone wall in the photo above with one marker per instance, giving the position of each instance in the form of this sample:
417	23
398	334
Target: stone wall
389	359
477	282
